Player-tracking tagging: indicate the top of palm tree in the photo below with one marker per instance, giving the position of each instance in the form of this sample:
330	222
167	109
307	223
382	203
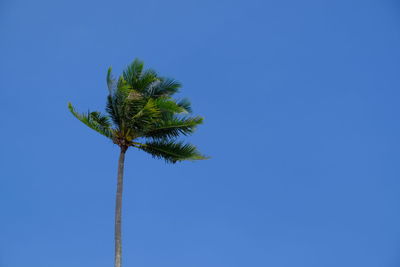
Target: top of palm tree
141	113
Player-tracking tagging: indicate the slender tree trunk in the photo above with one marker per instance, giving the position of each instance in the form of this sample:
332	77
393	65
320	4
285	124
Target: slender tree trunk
118	207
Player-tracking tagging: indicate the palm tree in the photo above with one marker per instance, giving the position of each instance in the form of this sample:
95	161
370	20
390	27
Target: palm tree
141	113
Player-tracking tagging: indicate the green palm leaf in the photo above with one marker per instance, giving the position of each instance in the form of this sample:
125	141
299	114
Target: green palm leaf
173	128
185	105
166	87
171	151
133	72
95	120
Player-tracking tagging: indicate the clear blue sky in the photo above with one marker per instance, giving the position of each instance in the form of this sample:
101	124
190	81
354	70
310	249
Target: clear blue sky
301	107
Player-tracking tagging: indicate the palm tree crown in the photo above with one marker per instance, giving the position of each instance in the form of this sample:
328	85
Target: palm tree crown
142	113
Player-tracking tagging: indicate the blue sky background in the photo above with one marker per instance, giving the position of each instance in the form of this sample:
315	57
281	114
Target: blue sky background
301	101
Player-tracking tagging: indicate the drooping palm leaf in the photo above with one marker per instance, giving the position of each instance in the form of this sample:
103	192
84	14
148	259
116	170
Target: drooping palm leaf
171	151
94	120
173	128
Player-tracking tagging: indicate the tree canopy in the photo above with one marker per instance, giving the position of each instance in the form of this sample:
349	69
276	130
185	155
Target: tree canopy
142	113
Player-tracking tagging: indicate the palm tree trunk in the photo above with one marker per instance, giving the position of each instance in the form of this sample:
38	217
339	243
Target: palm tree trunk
118	207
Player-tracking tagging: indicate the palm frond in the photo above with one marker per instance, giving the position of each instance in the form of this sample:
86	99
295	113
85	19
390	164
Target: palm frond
112	111
133	72
185	104
166	87
146	115
101	119
116	102
171	151
145	81
169	105
117	95
173	128
111	84
94	120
